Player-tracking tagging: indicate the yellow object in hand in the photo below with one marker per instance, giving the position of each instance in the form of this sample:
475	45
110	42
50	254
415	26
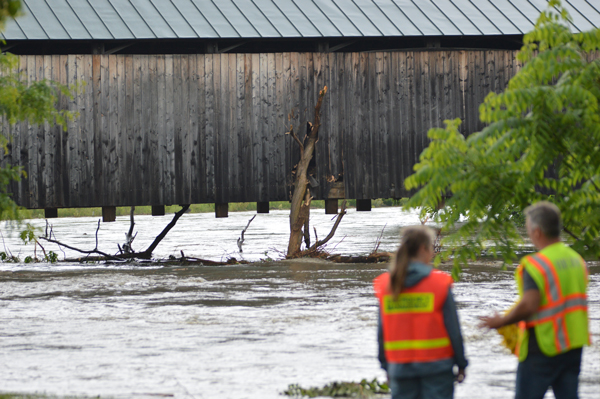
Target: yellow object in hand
510	334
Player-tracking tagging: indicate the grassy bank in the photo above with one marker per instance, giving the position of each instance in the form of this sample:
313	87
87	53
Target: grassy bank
195	208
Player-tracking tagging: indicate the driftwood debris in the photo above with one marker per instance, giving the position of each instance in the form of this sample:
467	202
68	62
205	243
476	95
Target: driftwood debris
240	241
375	257
129	237
123	255
378	241
301	198
102	255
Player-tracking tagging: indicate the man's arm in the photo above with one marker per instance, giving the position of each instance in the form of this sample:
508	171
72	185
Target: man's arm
527	307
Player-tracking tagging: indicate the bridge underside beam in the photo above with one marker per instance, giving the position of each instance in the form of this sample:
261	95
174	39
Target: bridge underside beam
222	210
363	205
262	207
50	213
331	206
109	213
158	210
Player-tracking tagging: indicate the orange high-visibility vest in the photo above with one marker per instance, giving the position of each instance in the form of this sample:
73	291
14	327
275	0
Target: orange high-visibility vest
561	322
413	324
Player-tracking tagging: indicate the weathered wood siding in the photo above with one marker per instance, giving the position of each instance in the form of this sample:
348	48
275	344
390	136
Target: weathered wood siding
175	129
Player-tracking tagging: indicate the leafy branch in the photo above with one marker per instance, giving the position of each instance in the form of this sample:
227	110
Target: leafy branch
541	141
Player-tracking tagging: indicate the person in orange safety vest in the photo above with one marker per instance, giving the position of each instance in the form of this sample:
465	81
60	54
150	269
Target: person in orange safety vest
552	310
419	335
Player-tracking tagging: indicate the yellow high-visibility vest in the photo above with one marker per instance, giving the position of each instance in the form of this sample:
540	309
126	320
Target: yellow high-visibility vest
561	322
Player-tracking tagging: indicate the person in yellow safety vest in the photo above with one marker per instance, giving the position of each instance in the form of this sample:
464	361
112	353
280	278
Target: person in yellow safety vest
418	331
552	311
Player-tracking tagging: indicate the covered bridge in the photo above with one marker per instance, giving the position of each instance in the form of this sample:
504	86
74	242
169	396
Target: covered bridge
188	101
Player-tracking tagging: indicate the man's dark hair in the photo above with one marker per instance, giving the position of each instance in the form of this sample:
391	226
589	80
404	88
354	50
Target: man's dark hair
546	216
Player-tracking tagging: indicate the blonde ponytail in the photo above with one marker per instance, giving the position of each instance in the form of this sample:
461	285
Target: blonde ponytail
413	238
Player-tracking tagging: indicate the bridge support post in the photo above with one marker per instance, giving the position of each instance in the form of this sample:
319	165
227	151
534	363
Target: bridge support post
363	205
50	213
109	213
222	209
331	206
262	207
158	210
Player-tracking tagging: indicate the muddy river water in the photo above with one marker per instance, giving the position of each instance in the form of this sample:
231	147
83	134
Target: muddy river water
245	331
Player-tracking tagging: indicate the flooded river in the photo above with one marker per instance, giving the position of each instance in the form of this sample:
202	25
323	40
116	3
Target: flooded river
245	331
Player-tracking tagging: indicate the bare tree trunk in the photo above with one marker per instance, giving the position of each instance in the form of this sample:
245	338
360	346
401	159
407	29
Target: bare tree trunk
300	209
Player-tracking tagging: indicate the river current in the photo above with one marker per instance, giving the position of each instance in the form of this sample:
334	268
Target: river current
244	331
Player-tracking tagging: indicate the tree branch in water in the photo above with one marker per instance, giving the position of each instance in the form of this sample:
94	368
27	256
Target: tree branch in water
146	254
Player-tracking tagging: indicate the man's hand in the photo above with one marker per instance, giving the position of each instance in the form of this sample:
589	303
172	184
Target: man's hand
527	307
460	377
494	321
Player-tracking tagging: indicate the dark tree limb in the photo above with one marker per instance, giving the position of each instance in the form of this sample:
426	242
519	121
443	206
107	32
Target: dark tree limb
300	145
240	241
129	237
49	238
97	229
307	233
338	219
378	242
375	257
93	251
148	252
569	232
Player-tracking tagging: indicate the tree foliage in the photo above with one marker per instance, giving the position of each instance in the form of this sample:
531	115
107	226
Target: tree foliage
542	141
23	101
9	9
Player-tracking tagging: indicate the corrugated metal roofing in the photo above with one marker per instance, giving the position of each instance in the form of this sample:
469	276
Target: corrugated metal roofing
178	19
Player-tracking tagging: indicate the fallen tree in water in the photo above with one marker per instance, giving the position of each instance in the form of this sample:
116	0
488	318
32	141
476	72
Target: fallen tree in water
126	253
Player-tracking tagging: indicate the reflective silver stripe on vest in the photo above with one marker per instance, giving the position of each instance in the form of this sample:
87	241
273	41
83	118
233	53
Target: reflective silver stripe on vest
553	285
560	333
554	310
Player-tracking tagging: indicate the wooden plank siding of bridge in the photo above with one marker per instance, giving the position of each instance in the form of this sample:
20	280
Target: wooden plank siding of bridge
184	129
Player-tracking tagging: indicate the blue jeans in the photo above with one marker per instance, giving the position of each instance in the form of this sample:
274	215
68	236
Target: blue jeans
436	386
539	372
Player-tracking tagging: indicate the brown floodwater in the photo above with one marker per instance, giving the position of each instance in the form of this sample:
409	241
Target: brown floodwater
245	331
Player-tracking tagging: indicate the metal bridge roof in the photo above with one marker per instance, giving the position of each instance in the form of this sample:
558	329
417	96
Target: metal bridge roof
216	19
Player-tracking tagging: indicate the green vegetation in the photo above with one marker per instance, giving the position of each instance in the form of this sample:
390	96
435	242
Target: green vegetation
22	101
28	236
542	141
364	389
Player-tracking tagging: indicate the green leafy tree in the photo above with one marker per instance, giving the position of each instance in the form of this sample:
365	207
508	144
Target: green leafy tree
542	141
22	101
